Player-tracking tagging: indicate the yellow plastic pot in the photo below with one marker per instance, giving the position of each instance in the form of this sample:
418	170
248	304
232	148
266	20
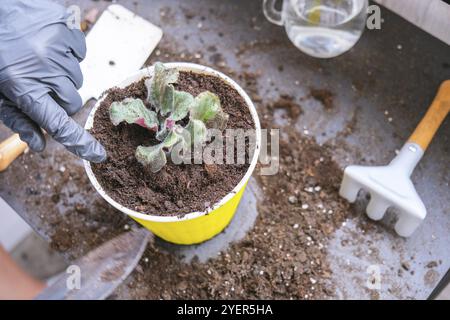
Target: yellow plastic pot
194	227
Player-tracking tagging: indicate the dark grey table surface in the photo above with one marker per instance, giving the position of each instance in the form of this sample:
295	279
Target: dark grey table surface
395	70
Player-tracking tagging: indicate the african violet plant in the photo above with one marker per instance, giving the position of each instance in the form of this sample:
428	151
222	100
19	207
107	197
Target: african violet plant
169	107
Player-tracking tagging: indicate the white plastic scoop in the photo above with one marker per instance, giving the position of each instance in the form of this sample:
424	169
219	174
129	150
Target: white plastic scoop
391	186
119	44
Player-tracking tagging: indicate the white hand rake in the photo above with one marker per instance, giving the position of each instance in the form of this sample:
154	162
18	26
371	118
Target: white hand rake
391	186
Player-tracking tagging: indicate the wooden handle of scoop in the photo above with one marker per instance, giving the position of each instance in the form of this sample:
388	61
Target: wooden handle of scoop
10	149
434	117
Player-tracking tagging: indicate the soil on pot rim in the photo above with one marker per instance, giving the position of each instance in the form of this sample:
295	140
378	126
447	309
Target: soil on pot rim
176	189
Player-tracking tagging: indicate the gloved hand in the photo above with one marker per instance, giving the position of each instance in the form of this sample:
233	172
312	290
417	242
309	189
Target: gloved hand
40	75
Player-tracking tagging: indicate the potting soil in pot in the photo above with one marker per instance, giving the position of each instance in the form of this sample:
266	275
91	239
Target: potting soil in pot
176	189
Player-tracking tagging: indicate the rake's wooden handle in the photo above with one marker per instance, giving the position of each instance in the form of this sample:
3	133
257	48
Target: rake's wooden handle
10	149
434	117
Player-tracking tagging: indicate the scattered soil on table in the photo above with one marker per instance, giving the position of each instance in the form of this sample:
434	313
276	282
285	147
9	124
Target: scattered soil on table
176	189
284	254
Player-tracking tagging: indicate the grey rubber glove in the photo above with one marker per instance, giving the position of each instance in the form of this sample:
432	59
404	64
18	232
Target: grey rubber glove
40	75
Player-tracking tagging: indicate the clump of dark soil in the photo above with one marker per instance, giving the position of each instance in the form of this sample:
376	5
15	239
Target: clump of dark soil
324	96
176	189
283	256
288	104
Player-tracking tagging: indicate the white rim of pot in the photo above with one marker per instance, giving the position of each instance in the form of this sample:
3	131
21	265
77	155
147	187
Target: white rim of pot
183	66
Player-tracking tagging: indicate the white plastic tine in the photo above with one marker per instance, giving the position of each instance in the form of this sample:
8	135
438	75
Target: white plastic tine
407	224
377	207
349	189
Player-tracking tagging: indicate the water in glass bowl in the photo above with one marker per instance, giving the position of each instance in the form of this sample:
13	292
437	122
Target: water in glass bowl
325	28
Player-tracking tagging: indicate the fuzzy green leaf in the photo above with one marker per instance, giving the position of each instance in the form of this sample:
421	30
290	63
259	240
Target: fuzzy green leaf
171	106
159	84
133	111
162	134
183	101
197	132
168	100
153	156
206	106
172	139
